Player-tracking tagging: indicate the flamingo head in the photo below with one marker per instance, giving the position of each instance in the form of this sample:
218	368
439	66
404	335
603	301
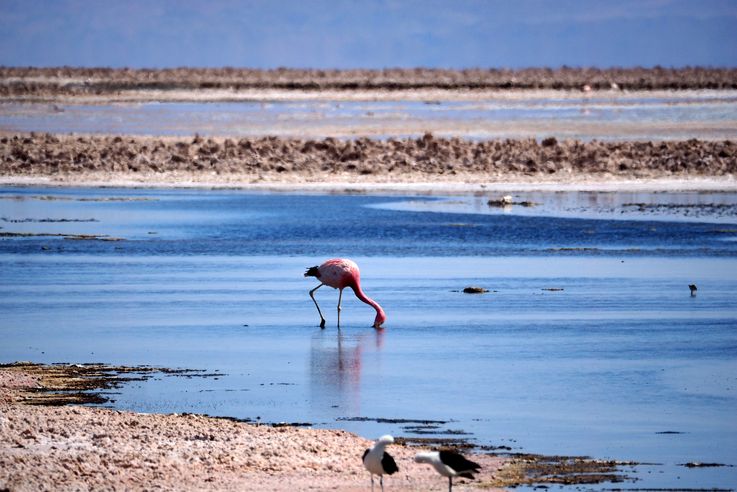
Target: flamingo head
380	318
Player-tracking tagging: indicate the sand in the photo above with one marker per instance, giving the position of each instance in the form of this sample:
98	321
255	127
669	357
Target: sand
83	448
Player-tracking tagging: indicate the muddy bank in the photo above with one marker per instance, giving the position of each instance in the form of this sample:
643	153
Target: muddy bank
273	159
45	82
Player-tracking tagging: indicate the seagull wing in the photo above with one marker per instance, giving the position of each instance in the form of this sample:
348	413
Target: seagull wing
460	464
388	464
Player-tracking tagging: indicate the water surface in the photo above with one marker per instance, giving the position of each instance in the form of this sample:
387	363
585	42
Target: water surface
588	342
604	116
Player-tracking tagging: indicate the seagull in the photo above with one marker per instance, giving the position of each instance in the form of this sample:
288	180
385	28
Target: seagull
379	462
449	464
693	289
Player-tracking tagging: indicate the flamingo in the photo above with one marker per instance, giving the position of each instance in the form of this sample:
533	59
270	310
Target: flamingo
449	464
340	273
379	462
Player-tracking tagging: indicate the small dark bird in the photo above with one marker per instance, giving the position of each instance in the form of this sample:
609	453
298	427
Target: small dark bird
379	462
693	289
449	464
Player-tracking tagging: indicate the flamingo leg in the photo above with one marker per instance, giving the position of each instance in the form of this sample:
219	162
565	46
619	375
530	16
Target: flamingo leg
340	298
322	319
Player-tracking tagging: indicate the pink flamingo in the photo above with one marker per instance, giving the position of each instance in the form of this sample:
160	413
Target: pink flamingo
340	273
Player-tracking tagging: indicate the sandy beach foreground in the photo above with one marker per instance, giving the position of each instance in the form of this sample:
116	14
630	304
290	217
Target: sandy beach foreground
82	448
49	442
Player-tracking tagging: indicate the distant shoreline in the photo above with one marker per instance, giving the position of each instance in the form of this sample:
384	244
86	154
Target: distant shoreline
30	81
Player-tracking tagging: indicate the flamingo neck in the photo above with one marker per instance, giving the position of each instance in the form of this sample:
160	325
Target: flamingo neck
380	316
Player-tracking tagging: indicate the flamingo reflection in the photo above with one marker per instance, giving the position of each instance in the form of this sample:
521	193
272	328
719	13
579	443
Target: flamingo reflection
336	361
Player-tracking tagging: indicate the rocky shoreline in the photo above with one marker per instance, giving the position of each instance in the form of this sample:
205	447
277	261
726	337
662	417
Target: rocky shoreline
272	159
30	81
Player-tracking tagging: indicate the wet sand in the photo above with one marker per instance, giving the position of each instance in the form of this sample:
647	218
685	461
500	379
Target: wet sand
299	163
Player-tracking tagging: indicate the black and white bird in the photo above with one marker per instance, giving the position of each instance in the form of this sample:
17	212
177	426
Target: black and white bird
379	462
449	464
693	289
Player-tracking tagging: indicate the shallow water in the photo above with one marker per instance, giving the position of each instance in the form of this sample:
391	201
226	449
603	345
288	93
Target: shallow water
609	366
705	114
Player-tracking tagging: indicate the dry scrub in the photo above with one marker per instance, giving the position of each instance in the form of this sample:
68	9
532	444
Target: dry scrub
428	158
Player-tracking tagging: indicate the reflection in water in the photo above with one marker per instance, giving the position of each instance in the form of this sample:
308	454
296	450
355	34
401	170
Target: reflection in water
335	369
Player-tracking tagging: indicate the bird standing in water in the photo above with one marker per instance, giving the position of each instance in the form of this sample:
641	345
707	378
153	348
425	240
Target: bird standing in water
340	273
449	464
379	462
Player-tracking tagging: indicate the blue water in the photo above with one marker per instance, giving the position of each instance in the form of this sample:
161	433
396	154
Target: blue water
213	280
182	222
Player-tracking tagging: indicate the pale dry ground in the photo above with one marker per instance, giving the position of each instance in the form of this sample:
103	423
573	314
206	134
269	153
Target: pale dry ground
417	95
404	184
83	448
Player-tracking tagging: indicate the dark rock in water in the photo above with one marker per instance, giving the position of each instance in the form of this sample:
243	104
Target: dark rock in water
501	202
474	290
507	200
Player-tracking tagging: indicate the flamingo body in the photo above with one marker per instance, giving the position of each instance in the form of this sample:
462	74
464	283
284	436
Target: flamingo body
340	273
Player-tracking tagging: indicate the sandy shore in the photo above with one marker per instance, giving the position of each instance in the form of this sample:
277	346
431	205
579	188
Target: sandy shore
83	448
472	185
398	165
